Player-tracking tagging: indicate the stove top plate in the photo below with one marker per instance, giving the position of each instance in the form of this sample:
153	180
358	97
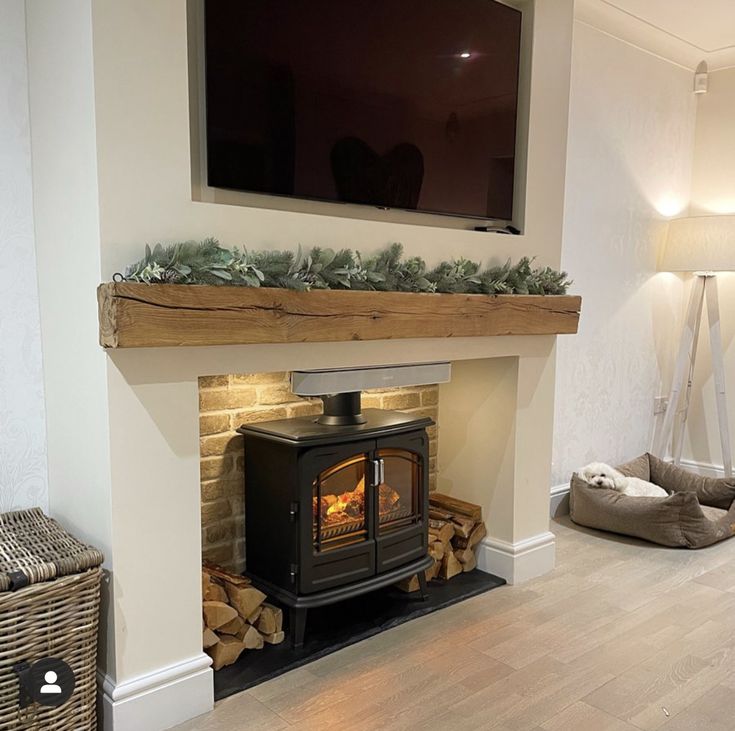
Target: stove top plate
306	430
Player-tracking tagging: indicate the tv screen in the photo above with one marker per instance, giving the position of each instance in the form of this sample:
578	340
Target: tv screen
406	104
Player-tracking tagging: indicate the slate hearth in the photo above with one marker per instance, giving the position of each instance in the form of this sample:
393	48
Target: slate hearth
343	624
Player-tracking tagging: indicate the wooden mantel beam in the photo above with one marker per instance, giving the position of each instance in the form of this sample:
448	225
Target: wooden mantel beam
134	315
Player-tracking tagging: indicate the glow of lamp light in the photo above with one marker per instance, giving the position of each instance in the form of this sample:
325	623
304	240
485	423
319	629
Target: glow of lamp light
465	55
670	205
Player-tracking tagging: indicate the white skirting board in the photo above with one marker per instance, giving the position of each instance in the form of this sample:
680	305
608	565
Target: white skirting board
158	700
703	468
559	500
518	562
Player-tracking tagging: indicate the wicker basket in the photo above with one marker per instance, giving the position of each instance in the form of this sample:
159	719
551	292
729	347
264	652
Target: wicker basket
49	607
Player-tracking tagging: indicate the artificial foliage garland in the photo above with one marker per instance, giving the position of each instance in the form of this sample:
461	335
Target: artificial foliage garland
207	262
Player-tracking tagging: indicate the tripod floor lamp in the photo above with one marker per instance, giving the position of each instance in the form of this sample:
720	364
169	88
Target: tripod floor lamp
703	245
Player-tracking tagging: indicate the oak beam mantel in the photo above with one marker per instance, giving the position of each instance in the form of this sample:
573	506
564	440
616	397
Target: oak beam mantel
134	315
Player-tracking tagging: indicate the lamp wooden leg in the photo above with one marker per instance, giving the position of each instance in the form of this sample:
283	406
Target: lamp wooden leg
718	369
680	429
694	313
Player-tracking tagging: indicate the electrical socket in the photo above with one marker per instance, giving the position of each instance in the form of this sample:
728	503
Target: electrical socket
660	404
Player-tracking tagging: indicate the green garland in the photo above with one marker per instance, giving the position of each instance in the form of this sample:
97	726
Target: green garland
207	262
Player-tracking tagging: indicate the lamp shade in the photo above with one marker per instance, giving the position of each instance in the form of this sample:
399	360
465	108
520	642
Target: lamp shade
700	244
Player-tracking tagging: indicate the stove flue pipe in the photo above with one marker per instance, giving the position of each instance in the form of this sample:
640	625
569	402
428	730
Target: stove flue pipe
342	409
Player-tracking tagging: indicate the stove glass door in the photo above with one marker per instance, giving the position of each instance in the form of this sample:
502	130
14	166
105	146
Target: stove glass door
400	481
339	504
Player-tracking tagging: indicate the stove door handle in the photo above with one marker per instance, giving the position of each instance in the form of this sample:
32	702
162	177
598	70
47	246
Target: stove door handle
376	472
381	478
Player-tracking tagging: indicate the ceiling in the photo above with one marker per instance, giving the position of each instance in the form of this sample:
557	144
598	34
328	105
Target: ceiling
685	32
707	24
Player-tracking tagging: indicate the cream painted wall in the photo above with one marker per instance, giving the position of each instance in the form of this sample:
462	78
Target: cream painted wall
713	191
23	473
631	139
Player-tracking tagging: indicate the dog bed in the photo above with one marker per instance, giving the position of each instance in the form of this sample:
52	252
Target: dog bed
698	512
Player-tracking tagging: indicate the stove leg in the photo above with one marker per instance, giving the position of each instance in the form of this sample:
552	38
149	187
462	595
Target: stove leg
421	576
297	626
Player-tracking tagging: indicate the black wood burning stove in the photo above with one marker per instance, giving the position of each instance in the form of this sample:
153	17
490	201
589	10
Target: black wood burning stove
335	506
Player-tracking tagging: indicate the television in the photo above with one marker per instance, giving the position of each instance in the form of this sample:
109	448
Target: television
407	104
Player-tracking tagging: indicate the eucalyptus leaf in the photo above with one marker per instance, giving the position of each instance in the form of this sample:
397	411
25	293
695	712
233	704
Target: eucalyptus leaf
327	257
222	274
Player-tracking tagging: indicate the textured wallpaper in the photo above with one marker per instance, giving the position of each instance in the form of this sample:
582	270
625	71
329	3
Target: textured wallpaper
23	481
629	160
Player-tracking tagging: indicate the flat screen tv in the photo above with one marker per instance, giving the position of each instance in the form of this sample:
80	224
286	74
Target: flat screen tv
407	104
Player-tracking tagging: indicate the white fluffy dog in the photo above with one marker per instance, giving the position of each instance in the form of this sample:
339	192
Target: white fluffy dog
598	474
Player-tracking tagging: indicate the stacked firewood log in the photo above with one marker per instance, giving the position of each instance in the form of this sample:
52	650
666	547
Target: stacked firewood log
455	529
236	616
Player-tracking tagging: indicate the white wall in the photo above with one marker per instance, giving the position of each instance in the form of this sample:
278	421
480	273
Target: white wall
631	136
22	417
713	191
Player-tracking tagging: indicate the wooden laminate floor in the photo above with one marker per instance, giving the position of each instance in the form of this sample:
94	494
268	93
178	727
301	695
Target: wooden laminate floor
622	636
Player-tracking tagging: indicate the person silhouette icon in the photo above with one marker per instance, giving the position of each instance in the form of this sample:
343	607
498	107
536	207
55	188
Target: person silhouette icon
51	687
52	682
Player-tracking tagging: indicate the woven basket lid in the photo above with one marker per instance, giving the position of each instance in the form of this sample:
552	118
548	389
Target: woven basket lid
35	548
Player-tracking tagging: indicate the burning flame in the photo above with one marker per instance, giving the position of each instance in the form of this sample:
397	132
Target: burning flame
350	505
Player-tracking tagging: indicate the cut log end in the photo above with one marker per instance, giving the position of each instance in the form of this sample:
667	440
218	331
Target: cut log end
251	638
245	599
450	566
274	639
225	652
270	620
209	638
217	614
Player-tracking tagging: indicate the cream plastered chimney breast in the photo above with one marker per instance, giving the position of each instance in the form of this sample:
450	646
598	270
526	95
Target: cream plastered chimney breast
112	168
